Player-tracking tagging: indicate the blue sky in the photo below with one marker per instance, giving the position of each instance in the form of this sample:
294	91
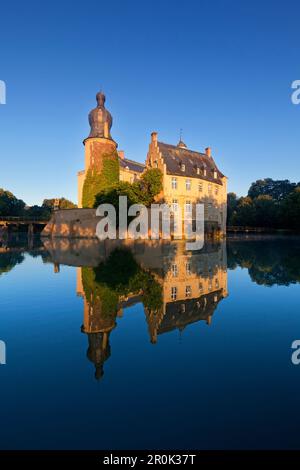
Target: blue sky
221	71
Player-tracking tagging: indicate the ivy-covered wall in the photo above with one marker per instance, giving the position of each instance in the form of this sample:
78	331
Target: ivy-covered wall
98	180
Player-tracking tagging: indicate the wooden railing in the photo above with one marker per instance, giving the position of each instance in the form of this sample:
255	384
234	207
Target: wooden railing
24	219
234	228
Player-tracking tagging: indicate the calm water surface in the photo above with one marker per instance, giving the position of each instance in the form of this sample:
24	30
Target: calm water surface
147	346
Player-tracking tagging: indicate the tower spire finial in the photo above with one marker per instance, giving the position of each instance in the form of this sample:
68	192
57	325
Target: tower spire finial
181	144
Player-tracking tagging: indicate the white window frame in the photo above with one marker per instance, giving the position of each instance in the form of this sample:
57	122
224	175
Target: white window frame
174	270
188	291
174	293
188	206
174	206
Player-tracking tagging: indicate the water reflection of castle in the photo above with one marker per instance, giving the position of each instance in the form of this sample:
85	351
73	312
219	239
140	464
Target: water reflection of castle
176	288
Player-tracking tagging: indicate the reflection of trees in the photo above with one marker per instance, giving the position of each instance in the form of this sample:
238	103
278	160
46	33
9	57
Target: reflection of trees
268	262
120	276
105	287
9	260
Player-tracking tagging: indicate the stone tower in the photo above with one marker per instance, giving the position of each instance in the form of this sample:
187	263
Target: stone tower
100	154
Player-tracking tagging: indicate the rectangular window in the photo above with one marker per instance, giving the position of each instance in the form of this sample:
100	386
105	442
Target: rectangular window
209	188
204	172
175	205
174	183
200	187
215	175
173	293
174	270
188	206
217	283
188	268
216	190
198	170
188	291
182	167
200	287
188	185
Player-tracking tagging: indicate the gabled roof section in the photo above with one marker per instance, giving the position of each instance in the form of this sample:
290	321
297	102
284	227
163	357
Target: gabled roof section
175	156
132	165
194	310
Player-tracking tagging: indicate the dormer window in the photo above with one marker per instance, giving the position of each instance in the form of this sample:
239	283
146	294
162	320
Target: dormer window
204	172
182	167
215	174
198	170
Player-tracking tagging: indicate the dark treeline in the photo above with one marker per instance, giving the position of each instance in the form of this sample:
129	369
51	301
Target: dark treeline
10	205
269	203
274	261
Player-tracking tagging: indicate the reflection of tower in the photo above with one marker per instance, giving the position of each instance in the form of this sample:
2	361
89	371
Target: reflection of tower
98	351
193	285
97	322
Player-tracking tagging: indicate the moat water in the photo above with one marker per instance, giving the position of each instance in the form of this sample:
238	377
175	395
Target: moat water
143	345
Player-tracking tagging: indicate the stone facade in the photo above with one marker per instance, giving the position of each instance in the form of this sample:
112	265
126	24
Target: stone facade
190	177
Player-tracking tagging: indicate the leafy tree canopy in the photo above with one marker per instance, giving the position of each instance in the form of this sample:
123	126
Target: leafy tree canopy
63	204
278	190
10	205
142	191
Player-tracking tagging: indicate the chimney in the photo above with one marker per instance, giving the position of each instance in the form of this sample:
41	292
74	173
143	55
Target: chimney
154	136
121	154
208	151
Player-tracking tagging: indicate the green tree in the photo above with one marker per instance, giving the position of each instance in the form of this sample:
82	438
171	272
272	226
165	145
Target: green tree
278	190
142	191
266	211
10	205
150	185
63	204
38	211
232	203
291	210
245	212
111	195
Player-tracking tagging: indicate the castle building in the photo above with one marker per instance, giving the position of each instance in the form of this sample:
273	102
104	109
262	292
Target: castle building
189	176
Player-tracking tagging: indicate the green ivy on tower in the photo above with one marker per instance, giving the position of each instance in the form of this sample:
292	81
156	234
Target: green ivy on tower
97	181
